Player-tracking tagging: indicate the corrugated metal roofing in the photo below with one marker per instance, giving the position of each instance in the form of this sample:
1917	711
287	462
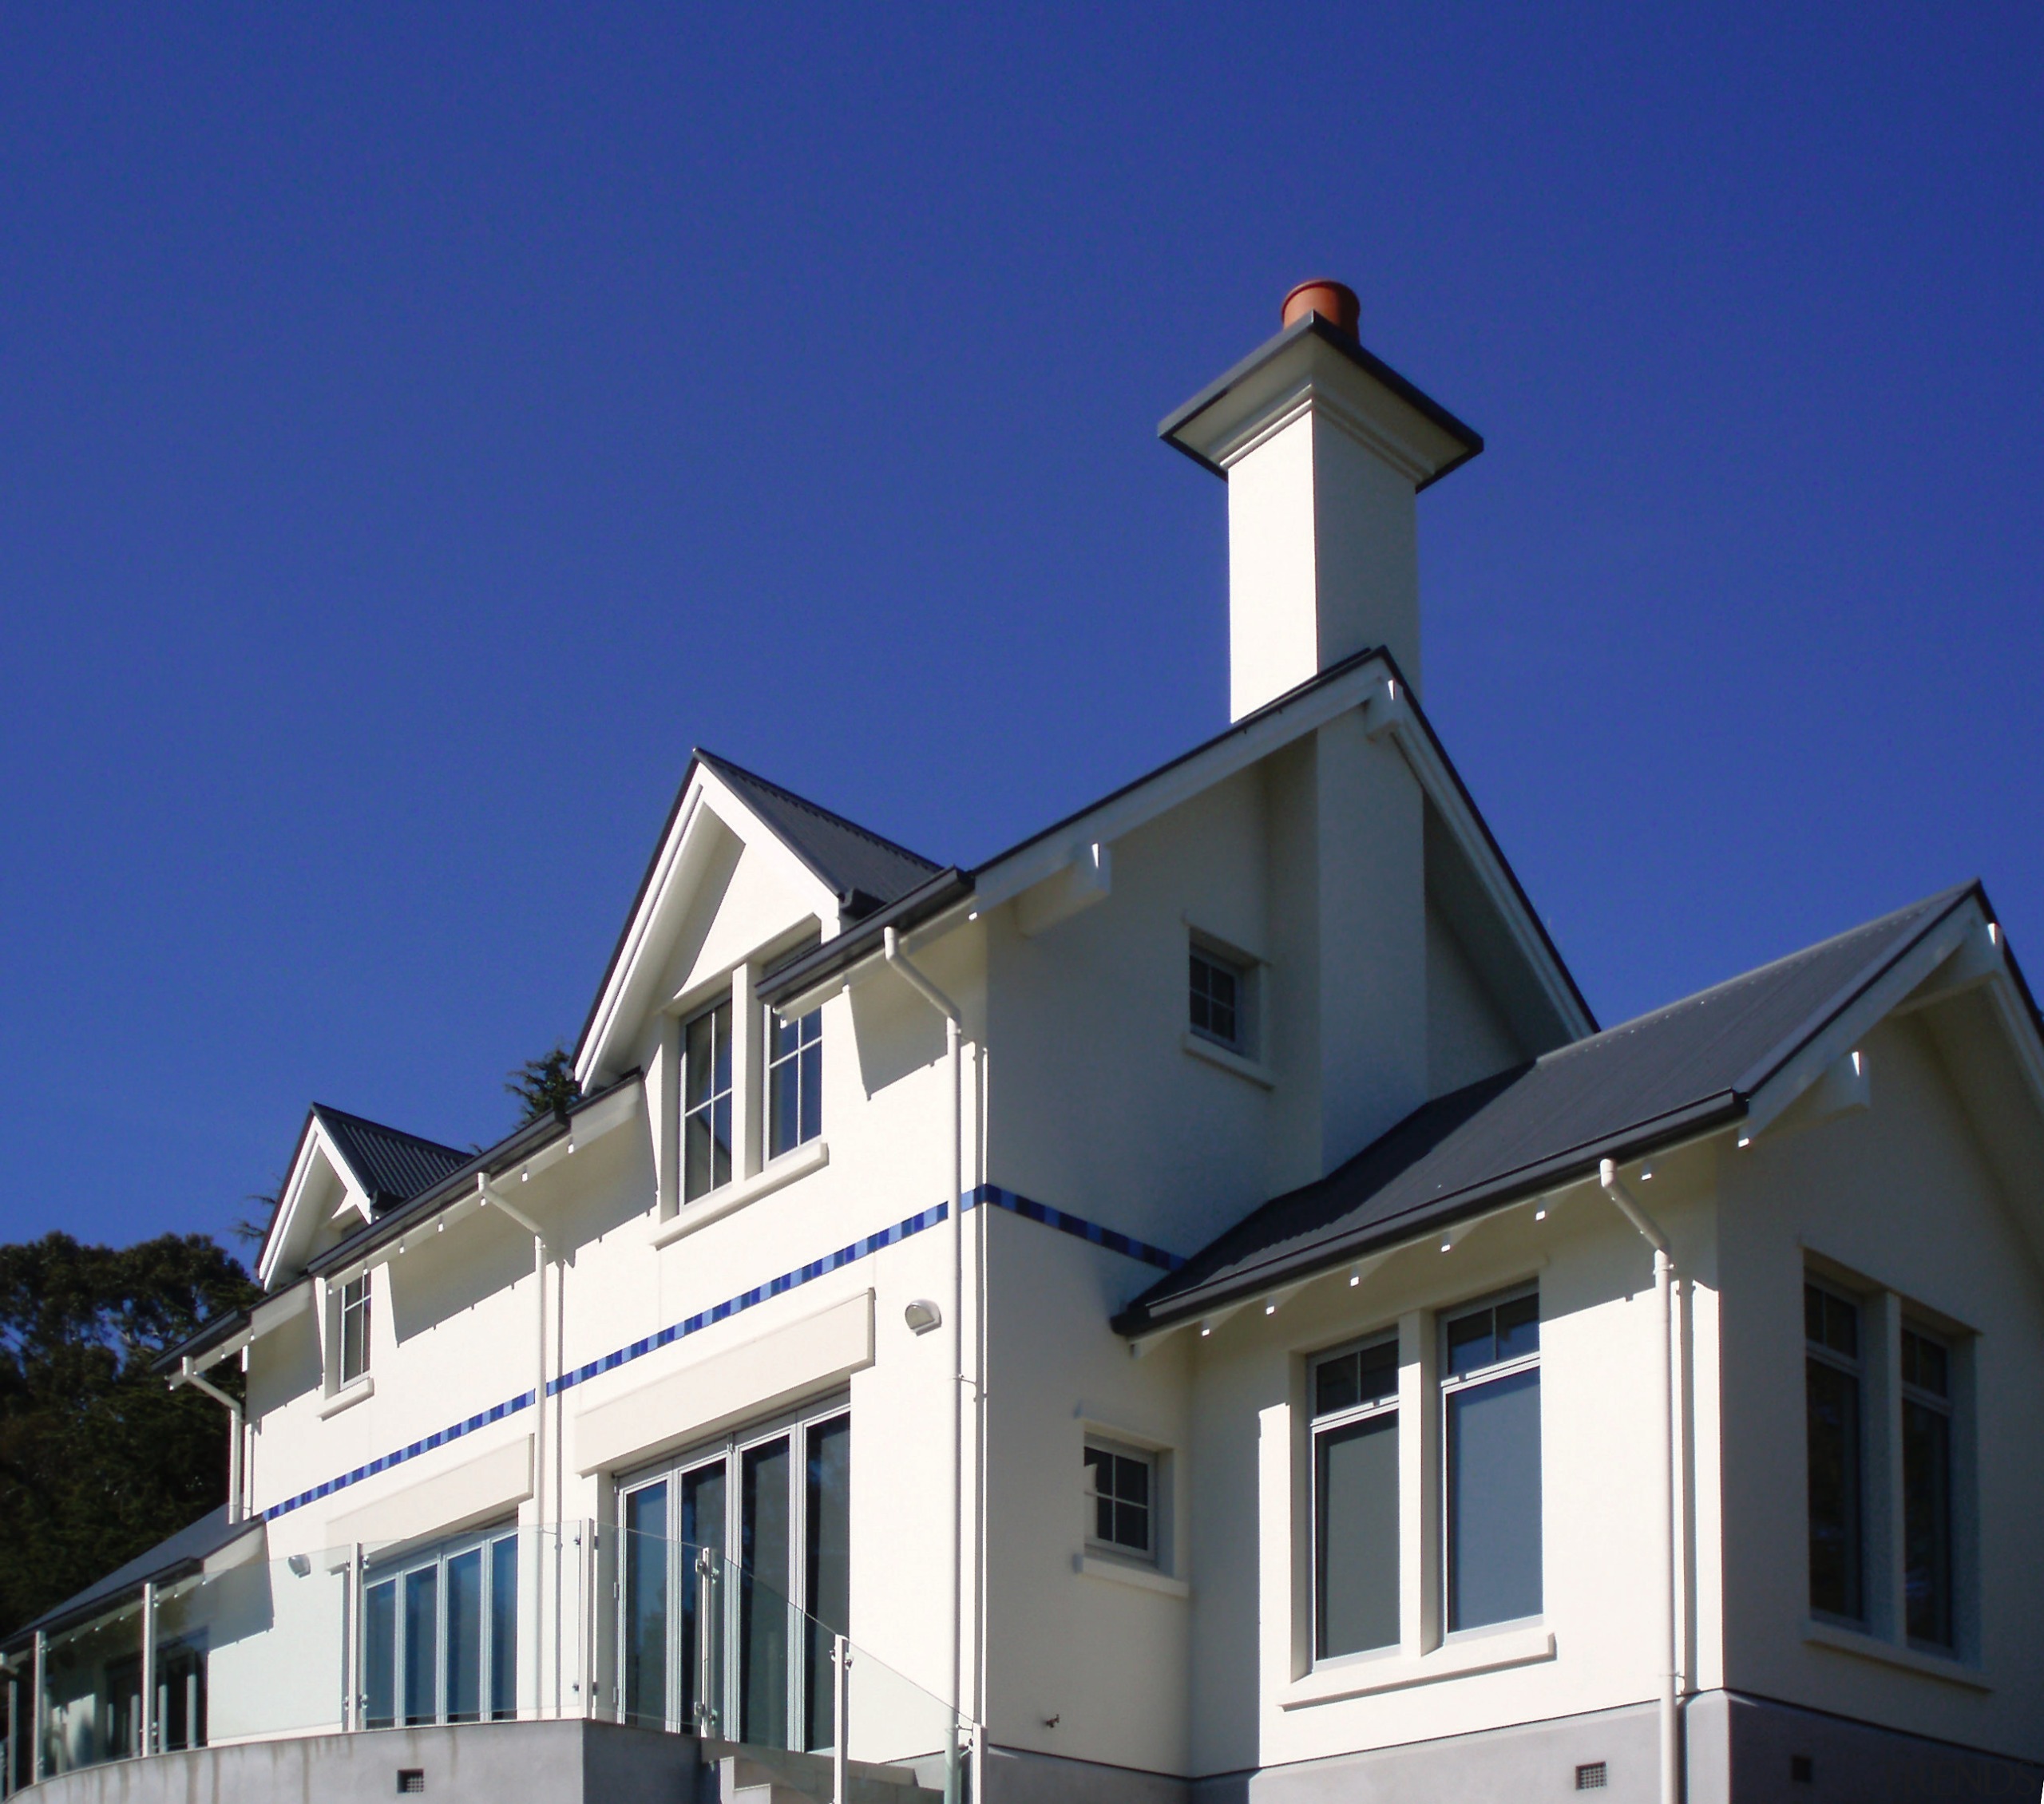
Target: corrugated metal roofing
863	870
1677	1069
395	1166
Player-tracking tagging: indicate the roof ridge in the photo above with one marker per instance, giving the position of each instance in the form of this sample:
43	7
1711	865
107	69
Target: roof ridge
1943	898
327	1109
717	761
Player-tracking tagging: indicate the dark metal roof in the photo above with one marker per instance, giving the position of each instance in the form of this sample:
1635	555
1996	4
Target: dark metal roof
1313	326
863	870
394	1166
1691	1065
184	1552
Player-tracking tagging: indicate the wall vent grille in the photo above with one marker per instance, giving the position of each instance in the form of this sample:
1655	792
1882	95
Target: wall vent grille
410	1778
1591	1778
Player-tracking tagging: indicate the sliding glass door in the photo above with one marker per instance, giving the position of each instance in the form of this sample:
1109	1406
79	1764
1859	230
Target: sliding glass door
736	1563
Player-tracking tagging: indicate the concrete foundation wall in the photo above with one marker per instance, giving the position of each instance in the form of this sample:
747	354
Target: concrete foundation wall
470	1763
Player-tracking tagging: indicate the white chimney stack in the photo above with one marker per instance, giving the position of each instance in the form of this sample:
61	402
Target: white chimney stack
1324	449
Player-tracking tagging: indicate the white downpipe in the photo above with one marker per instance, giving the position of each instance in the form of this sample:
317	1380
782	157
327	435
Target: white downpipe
953	1024
188	1374
1671	1494
489	1198
41	1679
146	1725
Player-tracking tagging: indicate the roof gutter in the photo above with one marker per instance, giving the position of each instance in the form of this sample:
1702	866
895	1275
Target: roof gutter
1697	1122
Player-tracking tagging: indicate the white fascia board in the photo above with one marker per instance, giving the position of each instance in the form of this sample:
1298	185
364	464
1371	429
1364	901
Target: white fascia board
1030	864
624	1000
1796	1071
1390	712
315	1147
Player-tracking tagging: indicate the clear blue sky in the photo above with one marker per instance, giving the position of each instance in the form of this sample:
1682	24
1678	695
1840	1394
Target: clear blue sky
418	426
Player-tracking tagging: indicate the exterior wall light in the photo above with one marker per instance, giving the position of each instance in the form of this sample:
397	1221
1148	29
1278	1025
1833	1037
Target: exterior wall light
922	1315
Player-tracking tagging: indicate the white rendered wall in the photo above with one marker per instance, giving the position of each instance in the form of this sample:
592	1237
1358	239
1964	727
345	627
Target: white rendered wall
1898	1196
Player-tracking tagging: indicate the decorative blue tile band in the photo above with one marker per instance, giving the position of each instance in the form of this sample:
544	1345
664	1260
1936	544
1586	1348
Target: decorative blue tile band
1074	1225
751	1299
522	1401
1077	1225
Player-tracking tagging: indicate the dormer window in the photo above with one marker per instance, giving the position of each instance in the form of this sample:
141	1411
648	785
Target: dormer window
706	1103
354	1329
794	1081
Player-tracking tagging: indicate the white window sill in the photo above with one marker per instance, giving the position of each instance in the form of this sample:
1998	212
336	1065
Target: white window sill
1215	1054
1867	1647
715	1207
1128	1572
350	1395
1392	1671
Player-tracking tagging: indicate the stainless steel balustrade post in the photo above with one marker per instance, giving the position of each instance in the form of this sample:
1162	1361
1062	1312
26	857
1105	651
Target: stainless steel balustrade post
841	1661
706	1708
145	1714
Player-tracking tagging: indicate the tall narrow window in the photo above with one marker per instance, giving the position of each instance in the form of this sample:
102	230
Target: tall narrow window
1927	1488
1831	1366
645	1613
794	1081
1491	1404
1355	1499
354	1328
504	1627
706	1103
1216	999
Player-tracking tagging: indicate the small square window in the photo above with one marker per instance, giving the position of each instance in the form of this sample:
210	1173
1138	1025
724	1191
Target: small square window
1121	1490
1216	999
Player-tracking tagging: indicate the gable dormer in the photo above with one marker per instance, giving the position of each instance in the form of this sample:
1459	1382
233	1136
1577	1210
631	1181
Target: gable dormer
346	1172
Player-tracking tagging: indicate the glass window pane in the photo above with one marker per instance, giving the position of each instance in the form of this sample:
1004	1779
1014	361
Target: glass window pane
702	1532
504	1627
827	1561
1355	1537
422	1642
646	1606
1518	1327
1469	1342
464	1678
698	1164
1336	1385
1132	1527
764	1608
379	1655
1813	1314
699	1060
720	1115
784	1108
1927	1521
1833	1403
812	1091
1379	1370
1493	1501
1841	1326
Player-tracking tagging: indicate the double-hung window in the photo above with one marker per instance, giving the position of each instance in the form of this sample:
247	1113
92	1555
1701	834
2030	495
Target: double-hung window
1355	1498
705	1125
794	1081
354	1329
1121	1490
1927	1488
1833	1393
1490	1387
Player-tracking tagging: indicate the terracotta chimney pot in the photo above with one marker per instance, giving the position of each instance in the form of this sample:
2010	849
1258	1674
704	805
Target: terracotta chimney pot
1335	302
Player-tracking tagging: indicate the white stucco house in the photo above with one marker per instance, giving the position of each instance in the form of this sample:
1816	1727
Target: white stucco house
1192	1308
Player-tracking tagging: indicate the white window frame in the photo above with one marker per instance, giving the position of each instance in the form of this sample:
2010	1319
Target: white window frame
1366	1410
1154	1464
729	1449
776	1061
1242	971
1858	1367
394	1571
359	1305
726	1004
1447	1385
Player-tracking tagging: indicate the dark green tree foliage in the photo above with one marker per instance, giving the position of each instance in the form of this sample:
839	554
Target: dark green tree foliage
545	1085
99	1460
